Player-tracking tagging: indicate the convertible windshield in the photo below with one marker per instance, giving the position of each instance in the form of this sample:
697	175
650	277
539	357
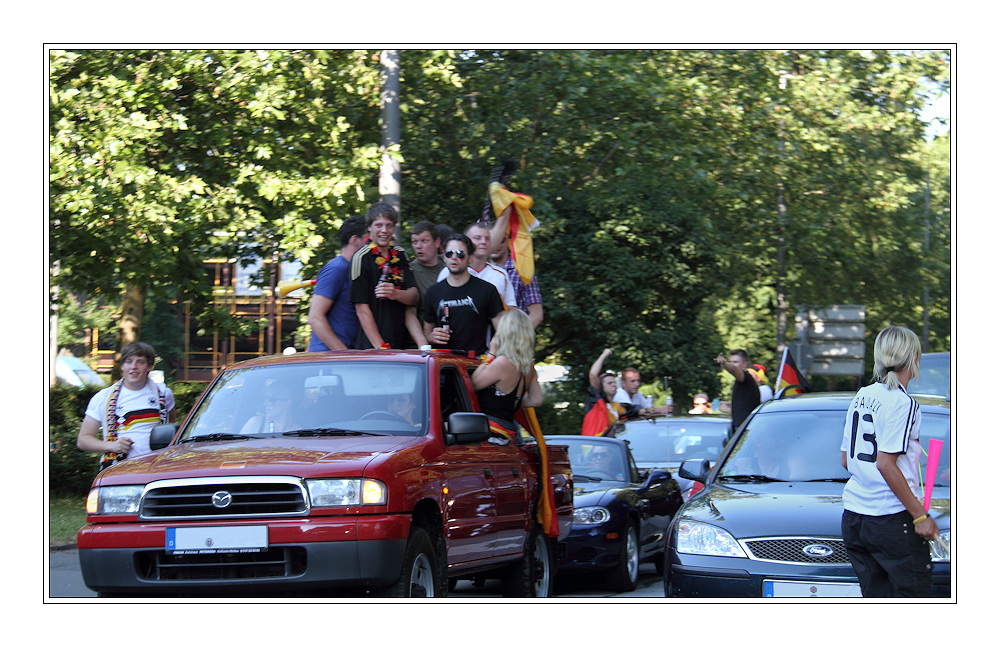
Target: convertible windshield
805	446
593	461
313	399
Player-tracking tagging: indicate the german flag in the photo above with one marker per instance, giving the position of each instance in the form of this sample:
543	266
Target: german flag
789	376
546	513
519	227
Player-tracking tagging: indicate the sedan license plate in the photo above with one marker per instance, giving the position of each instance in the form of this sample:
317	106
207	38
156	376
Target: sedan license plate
786	589
216	539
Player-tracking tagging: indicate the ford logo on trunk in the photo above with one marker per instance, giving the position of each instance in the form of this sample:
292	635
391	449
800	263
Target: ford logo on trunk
222	499
817	550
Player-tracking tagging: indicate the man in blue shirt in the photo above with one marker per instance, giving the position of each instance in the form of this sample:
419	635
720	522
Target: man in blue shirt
332	316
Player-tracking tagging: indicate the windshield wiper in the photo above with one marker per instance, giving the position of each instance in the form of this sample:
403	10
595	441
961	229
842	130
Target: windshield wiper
751	478
326	431
577	475
213	437
837	479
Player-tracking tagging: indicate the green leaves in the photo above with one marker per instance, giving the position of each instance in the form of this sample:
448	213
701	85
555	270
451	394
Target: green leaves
655	175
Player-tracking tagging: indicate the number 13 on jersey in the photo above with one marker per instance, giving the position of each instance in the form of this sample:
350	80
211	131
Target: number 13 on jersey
866	423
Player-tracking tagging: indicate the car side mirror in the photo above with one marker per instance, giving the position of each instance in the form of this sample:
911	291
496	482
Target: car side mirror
161	435
655	477
695	469
466	428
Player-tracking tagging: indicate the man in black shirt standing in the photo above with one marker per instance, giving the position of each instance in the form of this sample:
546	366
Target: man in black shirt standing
746	395
473	304
382	286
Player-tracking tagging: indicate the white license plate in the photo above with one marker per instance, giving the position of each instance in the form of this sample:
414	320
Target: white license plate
216	539
786	589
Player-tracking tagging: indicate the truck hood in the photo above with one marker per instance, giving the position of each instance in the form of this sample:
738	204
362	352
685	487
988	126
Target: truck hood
302	457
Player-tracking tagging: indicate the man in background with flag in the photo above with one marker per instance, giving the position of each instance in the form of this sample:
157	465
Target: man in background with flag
789	376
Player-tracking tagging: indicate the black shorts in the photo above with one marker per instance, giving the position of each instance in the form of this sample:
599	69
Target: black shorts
889	557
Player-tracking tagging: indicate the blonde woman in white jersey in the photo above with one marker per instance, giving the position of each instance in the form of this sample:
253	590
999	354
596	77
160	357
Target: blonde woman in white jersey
885	528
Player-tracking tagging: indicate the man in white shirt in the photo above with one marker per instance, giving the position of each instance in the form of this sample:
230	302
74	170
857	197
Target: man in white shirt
125	412
628	393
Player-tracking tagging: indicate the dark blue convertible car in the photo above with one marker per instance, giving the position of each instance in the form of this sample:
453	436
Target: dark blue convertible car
620	513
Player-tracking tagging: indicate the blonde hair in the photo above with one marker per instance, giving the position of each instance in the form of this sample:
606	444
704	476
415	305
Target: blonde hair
896	350
515	338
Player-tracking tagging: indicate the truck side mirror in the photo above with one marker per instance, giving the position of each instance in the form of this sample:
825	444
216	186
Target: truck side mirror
467	429
161	435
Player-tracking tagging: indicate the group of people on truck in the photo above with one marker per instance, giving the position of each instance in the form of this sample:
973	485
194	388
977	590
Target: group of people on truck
371	296
451	297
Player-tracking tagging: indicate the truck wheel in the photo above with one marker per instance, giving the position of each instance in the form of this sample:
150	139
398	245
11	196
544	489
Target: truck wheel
625	576
419	577
532	576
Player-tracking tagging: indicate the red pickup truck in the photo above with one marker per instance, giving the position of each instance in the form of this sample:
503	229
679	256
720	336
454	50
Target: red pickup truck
364	471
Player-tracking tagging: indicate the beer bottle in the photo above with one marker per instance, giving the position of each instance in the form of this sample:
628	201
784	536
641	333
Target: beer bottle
385	274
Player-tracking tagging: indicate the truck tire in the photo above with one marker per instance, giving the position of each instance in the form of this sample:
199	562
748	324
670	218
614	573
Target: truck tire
420	577
625	575
532	576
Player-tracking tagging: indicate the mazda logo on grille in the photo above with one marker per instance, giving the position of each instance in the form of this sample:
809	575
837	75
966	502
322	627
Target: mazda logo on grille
222	499
817	550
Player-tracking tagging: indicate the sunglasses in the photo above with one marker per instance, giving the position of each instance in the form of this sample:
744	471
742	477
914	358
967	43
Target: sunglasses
454	252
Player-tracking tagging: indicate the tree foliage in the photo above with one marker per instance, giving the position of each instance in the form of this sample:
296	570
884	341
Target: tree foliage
160	159
656	176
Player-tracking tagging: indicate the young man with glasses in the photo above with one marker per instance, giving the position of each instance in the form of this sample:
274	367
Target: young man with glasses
473	304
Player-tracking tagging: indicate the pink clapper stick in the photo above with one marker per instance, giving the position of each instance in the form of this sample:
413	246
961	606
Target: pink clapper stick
933	455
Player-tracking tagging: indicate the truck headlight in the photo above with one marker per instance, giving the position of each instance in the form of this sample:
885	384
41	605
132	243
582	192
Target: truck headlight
591	515
324	493
114	499
705	539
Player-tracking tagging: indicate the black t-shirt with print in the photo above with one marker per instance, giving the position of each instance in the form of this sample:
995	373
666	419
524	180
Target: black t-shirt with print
471	308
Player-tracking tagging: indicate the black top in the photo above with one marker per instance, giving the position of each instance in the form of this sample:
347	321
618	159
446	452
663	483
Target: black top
746	396
471	308
501	405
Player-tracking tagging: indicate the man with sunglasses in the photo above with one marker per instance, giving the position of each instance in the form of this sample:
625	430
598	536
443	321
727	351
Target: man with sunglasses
473	304
481	267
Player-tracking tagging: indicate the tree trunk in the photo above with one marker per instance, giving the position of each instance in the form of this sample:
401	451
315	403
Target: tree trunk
130	324
390	173
54	324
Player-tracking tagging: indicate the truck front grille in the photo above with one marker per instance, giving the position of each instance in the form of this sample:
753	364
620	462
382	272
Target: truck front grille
224	498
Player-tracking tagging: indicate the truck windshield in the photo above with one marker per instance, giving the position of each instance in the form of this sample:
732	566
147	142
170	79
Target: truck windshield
327	399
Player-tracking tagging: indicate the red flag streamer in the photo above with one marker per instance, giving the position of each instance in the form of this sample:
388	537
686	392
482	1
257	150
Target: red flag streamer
547	498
